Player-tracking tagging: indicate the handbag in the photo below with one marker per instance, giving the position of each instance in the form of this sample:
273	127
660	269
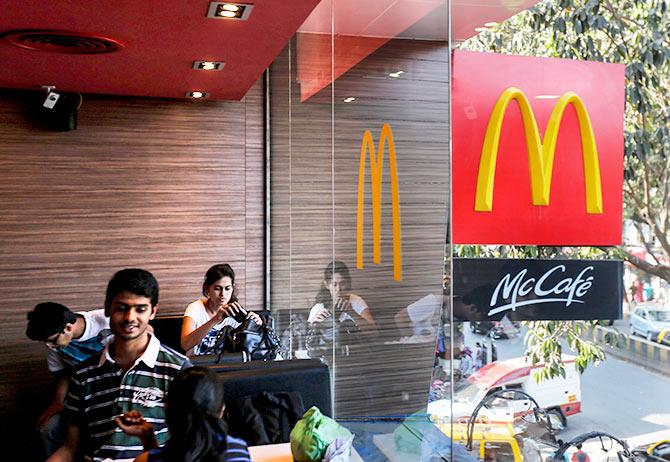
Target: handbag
323	337
256	342
260	342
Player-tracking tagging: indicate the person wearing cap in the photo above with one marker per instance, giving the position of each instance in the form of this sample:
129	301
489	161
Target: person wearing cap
71	338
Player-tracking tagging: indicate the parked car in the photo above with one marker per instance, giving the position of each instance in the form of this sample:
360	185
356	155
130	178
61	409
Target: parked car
658	451
496	329
481	327
649	319
505	329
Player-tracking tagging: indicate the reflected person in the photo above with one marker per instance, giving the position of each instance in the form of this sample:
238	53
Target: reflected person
335	297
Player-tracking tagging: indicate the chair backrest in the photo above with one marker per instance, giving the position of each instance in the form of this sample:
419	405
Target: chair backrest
168	330
309	377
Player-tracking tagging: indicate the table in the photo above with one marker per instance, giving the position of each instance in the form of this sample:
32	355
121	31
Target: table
282	453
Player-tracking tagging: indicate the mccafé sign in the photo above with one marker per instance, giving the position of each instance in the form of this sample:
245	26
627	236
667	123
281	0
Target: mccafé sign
533	289
537	150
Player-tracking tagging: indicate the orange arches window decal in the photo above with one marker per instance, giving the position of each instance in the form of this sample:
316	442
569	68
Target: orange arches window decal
376	169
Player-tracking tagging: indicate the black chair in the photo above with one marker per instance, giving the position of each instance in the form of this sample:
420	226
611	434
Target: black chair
264	399
168	330
309	377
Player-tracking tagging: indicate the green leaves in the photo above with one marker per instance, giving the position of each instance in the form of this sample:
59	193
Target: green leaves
545	340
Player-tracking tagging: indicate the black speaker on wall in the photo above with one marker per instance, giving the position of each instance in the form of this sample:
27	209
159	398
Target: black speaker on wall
58	111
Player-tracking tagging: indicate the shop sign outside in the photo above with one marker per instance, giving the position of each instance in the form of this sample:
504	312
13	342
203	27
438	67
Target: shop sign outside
535	289
562	189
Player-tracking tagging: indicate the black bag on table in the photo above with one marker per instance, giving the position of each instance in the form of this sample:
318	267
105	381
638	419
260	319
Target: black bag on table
259	342
256	342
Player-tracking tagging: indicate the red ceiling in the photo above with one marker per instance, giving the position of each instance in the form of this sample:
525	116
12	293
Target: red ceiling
161	40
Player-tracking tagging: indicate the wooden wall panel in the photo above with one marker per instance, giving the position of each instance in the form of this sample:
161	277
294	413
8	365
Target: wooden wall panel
315	154
169	186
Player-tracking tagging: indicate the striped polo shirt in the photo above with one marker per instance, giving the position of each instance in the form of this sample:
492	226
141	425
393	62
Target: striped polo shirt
100	390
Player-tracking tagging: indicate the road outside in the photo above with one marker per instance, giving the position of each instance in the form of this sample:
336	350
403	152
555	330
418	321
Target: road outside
618	397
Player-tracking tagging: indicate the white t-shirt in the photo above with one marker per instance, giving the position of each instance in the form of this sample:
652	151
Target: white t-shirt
422	314
198	312
357	304
91	342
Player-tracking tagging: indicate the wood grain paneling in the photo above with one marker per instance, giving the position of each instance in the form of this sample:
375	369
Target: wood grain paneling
169	186
315	154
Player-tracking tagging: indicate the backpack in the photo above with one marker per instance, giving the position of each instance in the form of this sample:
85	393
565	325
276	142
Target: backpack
580	456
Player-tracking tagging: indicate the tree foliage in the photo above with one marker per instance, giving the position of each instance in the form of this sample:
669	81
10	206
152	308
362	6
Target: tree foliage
635	33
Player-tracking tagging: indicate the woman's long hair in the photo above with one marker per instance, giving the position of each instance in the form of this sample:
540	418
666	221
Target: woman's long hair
334	267
193	409
217	272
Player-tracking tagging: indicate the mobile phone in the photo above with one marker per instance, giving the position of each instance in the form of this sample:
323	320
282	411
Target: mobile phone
241	316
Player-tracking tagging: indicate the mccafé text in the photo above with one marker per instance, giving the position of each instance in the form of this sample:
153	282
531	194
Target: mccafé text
513	289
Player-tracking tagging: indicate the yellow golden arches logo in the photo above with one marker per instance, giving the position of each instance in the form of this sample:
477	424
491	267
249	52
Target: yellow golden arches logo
540	153
376	167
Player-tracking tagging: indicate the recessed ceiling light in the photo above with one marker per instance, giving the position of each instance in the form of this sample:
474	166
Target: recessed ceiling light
208	65
226	10
396	74
350	99
197	94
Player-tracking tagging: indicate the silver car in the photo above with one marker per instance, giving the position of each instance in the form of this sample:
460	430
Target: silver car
648	320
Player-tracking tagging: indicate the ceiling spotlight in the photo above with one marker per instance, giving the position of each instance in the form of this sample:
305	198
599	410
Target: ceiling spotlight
350	99
208	65
197	94
396	74
225	10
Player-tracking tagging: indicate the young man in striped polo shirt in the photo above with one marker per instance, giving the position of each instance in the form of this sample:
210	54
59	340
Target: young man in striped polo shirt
132	373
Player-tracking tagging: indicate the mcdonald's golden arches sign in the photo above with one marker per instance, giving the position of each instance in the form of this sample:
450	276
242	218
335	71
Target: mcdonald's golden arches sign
537	150
376	162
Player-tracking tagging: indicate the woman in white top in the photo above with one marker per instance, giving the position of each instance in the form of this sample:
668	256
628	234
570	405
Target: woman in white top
335	296
205	317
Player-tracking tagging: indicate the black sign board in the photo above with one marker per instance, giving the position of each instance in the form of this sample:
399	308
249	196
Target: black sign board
532	290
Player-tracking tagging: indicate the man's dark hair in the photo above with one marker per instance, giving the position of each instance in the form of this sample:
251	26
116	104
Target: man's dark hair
48	319
136	281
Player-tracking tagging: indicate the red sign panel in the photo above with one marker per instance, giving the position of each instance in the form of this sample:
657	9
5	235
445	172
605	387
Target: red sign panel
537	150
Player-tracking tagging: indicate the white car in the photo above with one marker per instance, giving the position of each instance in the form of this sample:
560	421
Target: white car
649	319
